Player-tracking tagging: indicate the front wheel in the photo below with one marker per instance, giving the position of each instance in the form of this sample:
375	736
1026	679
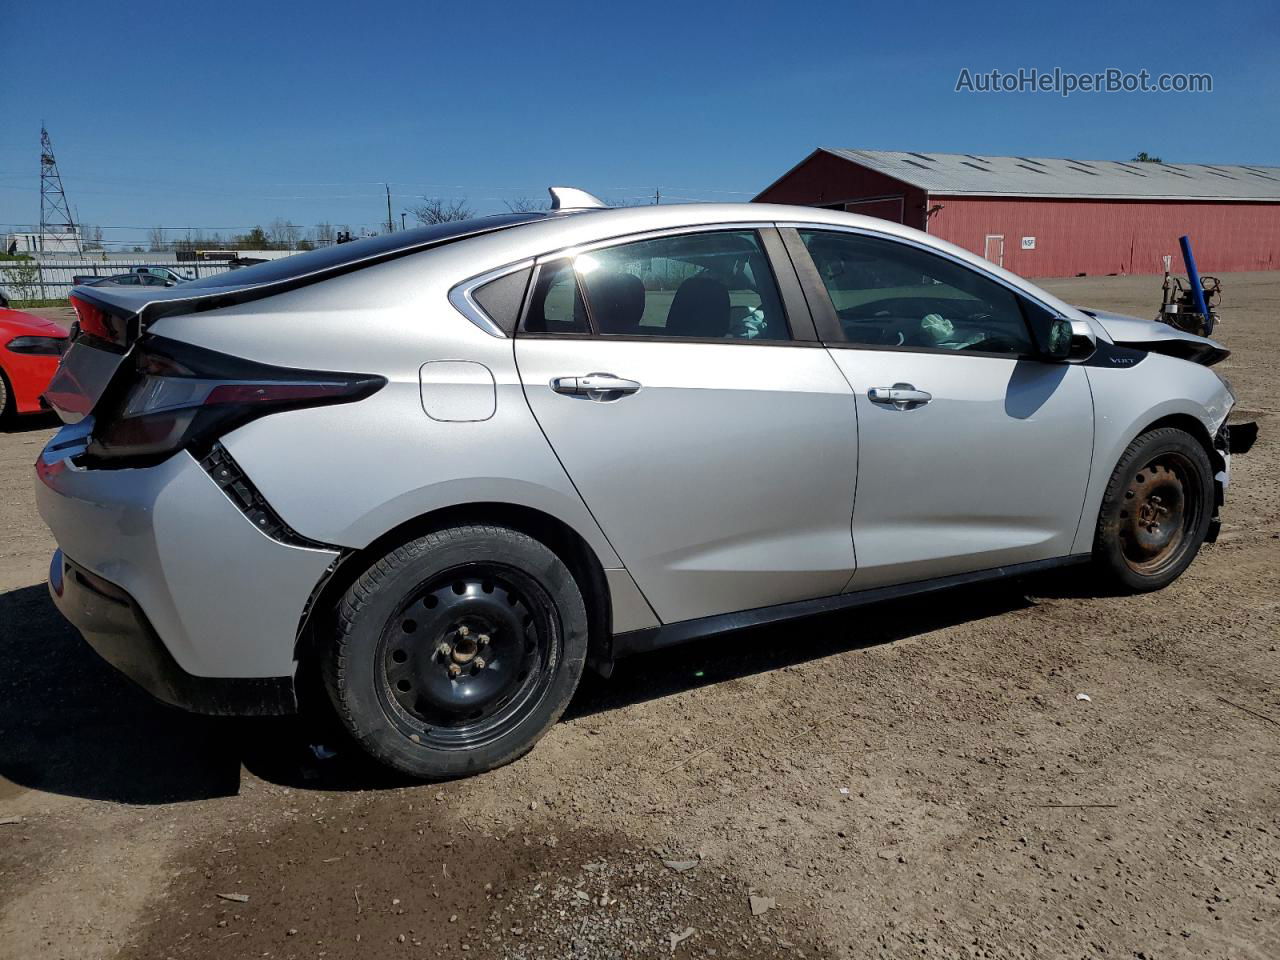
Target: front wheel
1155	512
456	652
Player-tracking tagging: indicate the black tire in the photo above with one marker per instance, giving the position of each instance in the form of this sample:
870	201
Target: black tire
5	394
456	652
1155	512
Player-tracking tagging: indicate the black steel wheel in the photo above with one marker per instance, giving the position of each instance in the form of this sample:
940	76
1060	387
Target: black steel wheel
456	652
467	656
1156	510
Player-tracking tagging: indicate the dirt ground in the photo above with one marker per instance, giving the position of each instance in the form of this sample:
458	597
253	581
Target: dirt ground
919	779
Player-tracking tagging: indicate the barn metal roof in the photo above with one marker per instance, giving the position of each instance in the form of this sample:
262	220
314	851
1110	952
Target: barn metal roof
963	173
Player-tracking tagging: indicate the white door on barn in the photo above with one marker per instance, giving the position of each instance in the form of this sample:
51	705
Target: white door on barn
993	248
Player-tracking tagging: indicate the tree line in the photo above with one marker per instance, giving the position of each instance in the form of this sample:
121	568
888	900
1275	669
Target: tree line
282	234
277	235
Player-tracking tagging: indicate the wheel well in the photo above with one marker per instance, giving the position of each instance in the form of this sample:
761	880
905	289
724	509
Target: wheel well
562	539
1189	424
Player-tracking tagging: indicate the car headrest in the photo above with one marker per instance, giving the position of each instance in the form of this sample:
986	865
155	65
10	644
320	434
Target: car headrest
700	309
617	301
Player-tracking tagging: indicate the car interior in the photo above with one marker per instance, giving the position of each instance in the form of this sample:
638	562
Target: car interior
890	294
701	286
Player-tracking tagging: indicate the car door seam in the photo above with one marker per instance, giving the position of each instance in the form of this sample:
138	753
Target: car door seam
524	391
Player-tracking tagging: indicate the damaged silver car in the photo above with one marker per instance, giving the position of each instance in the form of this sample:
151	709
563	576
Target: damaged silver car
445	469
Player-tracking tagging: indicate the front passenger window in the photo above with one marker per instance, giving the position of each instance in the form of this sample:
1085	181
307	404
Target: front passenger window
892	294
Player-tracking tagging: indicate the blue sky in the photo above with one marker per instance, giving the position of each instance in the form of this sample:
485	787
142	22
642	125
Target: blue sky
225	115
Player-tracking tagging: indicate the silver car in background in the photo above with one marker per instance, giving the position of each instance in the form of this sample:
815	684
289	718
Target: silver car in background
445	469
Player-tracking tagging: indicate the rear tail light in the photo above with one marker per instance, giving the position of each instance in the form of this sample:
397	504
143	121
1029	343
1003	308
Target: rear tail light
97	321
177	396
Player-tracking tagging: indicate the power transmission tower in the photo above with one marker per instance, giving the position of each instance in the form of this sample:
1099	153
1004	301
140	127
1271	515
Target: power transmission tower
55	212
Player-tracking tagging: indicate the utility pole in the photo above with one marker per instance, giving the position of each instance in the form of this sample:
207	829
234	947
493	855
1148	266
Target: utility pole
657	196
391	225
403	214
55	212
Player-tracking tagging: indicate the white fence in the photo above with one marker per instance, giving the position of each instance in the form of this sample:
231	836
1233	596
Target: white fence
52	279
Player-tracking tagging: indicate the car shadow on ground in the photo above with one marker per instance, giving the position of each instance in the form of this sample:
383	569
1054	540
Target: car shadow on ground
29	423
69	724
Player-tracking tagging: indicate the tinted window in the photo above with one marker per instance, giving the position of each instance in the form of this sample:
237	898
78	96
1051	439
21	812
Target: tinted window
344	254
895	295
702	285
501	298
556	304
128	279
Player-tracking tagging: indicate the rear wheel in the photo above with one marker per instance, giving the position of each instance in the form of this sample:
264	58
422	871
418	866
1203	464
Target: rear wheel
4	397
1155	512
455	653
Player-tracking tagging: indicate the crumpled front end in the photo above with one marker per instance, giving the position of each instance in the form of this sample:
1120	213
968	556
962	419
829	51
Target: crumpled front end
1159	337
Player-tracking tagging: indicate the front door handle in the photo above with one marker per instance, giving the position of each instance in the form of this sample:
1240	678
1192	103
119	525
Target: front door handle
901	396
595	386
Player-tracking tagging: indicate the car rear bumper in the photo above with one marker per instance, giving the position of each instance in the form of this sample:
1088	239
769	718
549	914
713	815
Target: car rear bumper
111	621
199	592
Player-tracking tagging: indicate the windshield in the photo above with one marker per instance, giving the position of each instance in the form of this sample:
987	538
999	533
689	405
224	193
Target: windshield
341	254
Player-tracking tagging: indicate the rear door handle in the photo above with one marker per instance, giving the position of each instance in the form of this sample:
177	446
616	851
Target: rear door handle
595	386
903	396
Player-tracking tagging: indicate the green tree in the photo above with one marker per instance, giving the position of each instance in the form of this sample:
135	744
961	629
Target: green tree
1144	157
255	239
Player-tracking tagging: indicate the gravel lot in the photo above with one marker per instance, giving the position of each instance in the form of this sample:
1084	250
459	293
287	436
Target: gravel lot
914	780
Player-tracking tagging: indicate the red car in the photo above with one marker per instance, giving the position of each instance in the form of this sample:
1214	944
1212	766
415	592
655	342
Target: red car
30	348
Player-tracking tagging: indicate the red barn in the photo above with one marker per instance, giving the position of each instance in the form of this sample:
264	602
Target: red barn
1043	217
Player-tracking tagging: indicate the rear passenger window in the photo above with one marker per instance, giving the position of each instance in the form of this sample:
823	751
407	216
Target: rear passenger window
707	286
556	305
703	286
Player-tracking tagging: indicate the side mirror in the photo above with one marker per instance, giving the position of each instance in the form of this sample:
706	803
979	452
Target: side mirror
1070	340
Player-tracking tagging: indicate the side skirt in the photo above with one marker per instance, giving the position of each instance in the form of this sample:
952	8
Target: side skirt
673	634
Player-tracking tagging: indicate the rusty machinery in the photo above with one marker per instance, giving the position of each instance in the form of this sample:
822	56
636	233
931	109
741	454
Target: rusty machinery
1188	304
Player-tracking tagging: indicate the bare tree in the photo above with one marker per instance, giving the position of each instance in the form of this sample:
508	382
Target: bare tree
284	234
92	237
324	234
527	204
157	244
442	210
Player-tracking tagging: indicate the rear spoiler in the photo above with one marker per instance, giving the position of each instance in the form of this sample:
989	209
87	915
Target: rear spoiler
309	268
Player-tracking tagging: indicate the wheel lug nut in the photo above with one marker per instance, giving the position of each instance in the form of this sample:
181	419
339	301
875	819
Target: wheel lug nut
479	663
444	650
464	631
454	670
483	639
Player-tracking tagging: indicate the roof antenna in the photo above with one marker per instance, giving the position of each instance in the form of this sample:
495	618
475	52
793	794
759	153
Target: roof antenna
571	198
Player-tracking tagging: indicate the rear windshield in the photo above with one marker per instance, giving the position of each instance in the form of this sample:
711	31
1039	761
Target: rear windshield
342	254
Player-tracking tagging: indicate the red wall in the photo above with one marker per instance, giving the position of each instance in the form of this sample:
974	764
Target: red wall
826	180
1113	236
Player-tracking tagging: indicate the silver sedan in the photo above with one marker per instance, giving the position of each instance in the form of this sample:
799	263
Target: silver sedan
445	469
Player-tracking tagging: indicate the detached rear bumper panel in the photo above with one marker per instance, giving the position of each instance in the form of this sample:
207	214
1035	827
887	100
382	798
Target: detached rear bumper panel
113	624
224	598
